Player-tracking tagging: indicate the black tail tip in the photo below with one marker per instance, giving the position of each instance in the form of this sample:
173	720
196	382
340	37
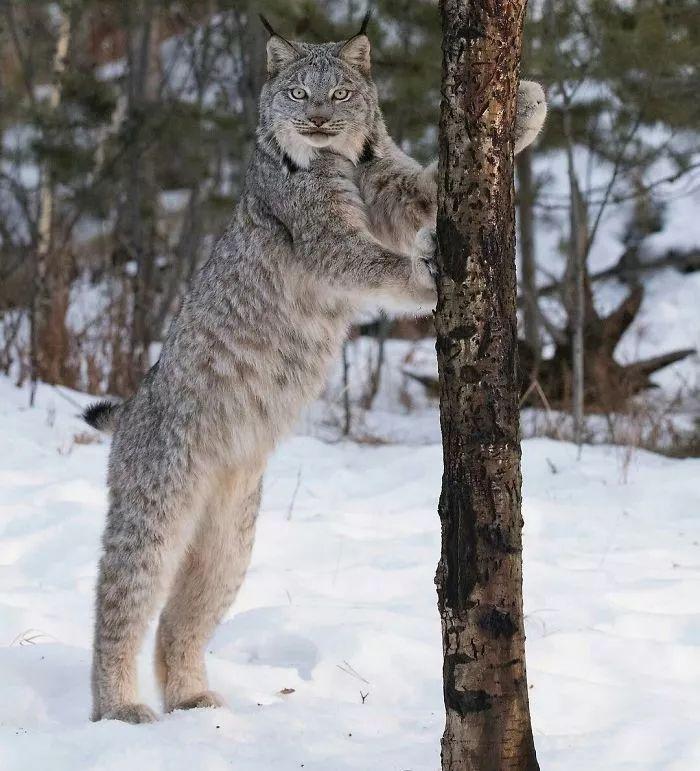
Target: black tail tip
100	415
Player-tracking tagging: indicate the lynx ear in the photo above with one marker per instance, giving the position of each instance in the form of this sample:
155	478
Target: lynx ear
356	53
280	52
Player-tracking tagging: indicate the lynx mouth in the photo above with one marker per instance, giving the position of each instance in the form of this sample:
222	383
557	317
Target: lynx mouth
318	139
318	133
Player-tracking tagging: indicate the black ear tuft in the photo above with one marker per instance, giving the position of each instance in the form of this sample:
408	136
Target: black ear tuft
365	21
267	24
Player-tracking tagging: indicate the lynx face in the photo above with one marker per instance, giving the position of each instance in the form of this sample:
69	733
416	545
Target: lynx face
318	96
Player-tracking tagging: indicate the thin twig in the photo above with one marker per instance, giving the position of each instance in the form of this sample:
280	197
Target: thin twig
350	670
294	495
611	182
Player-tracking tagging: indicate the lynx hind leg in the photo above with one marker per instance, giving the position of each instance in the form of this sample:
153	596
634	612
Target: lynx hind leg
136	564
206	584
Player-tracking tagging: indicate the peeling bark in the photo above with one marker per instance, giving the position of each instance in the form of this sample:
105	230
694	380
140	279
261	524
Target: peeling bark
479	577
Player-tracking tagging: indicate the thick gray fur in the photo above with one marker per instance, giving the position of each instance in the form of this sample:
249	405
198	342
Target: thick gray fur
331	216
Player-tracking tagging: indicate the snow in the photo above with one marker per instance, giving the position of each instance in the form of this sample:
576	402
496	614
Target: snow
339	602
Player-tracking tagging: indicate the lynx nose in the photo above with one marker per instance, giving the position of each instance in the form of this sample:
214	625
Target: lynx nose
318	120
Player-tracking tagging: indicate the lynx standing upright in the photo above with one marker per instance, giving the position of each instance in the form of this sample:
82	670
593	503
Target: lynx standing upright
250	346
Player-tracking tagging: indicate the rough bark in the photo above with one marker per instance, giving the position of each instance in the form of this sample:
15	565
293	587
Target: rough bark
479	577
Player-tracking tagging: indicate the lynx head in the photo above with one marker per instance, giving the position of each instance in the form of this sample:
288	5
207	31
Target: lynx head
318	96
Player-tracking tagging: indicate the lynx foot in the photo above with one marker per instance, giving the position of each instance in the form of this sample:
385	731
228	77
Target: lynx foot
206	699
132	713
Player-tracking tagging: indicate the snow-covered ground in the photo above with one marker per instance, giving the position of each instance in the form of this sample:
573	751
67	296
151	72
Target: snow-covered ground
339	607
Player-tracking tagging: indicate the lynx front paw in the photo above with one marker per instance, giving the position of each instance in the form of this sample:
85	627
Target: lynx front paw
131	713
204	700
530	115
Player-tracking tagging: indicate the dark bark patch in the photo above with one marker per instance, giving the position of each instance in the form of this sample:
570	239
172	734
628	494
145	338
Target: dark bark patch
463	331
465	702
470	374
462	701
453	258
497	623
460	539
444	345
496	537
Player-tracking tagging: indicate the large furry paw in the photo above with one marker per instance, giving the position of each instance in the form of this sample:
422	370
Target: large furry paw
530	115
424	271
204	700
131	713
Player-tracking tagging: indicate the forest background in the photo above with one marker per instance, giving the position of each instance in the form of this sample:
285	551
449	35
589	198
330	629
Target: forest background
125	133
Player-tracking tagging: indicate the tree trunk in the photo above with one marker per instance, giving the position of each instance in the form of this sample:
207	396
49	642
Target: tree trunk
253	40
50	344
578	301
479	577
526	196
136	221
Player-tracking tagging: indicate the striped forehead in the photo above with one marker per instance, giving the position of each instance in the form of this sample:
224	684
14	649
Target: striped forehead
320	68
321	73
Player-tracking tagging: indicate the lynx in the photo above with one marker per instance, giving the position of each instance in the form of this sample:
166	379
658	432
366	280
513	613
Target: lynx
332	215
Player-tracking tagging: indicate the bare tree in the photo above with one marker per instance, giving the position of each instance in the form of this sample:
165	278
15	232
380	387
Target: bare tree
528	262
252	38
49	344
479	577
136	219
576	279
528	252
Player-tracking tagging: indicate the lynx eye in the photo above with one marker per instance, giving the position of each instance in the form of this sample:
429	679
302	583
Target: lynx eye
298	94
341	94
